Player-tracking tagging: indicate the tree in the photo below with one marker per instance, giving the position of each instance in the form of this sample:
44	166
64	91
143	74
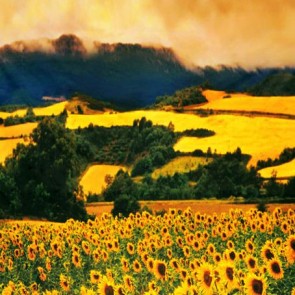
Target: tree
124	205
46	173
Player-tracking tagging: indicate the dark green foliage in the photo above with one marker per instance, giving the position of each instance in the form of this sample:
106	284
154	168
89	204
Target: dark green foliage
261	207
45	173
278	84
181	98
200	132
124	205
29	117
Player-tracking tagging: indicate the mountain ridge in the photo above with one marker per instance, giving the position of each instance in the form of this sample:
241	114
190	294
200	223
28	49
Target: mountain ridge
129	75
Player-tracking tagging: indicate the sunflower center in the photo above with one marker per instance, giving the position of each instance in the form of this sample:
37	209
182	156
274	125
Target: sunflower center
292	244
252	263
276	267
162	269
257	286
207	278
230	273
109	290
232	255
268	254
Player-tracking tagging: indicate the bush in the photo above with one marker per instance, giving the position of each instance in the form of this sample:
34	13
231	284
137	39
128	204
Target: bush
124	205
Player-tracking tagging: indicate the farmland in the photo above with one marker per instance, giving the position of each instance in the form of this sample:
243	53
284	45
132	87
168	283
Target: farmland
285	170
17	130
181	165
93	179
261	137
7	146
237	252
219	100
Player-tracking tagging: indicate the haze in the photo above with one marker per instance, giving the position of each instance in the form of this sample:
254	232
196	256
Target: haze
247	33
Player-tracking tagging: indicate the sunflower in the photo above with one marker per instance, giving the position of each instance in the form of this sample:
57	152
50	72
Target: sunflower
293	291
290	249
106	287
128	283
267	253
125	264
64	283
136	266
186	251
174	263
250	246
255	285
130	248
86	247
150	264
251	262
228	276
205	277
275	269
76	259
285	227
217	257
160	269
95	276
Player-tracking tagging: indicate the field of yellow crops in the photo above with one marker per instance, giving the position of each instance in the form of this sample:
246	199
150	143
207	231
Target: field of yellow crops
180	165
17	130
285	170
180	253
54	109
7	146
93	180
262	137
243	102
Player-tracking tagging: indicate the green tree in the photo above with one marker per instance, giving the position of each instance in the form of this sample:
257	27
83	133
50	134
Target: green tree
124	205
46	173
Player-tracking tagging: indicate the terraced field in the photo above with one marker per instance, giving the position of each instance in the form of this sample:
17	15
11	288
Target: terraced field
7	146
17	130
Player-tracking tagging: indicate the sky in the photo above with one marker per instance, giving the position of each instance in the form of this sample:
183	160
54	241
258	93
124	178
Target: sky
248	33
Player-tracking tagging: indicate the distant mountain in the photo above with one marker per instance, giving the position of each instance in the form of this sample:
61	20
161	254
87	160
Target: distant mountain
282	83
129	75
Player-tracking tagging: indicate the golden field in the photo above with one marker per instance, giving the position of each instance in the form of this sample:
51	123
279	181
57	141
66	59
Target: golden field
237	252
261	137
180	165
93	179
7	146
17	130
244	102
285	170
54	109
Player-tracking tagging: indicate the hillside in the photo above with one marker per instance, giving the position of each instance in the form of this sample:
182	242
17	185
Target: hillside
129	75
277	84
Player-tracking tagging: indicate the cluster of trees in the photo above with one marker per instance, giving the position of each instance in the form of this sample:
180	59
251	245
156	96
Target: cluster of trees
181	98
40	179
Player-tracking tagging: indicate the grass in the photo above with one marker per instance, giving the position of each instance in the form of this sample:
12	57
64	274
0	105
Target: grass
286	170
181	165
17	130
93	179
7	146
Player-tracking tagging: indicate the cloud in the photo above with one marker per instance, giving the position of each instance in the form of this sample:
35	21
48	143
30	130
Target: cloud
202	32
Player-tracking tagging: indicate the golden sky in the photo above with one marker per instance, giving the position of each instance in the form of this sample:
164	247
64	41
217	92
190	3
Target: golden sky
249	33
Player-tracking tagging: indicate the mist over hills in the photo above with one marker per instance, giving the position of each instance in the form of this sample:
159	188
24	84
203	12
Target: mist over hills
130	75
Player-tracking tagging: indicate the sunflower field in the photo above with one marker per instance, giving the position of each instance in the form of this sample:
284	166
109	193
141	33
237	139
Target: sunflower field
178	253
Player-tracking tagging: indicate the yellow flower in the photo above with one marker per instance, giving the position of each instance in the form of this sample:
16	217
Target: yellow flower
95	276
160	269
64	283
290	249
255	285
275	269
106	287
205	277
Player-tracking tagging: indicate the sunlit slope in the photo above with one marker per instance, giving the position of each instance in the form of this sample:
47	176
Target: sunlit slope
7	146
261	137
285	170
243	102
54	109
17	130
93	180
180	165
